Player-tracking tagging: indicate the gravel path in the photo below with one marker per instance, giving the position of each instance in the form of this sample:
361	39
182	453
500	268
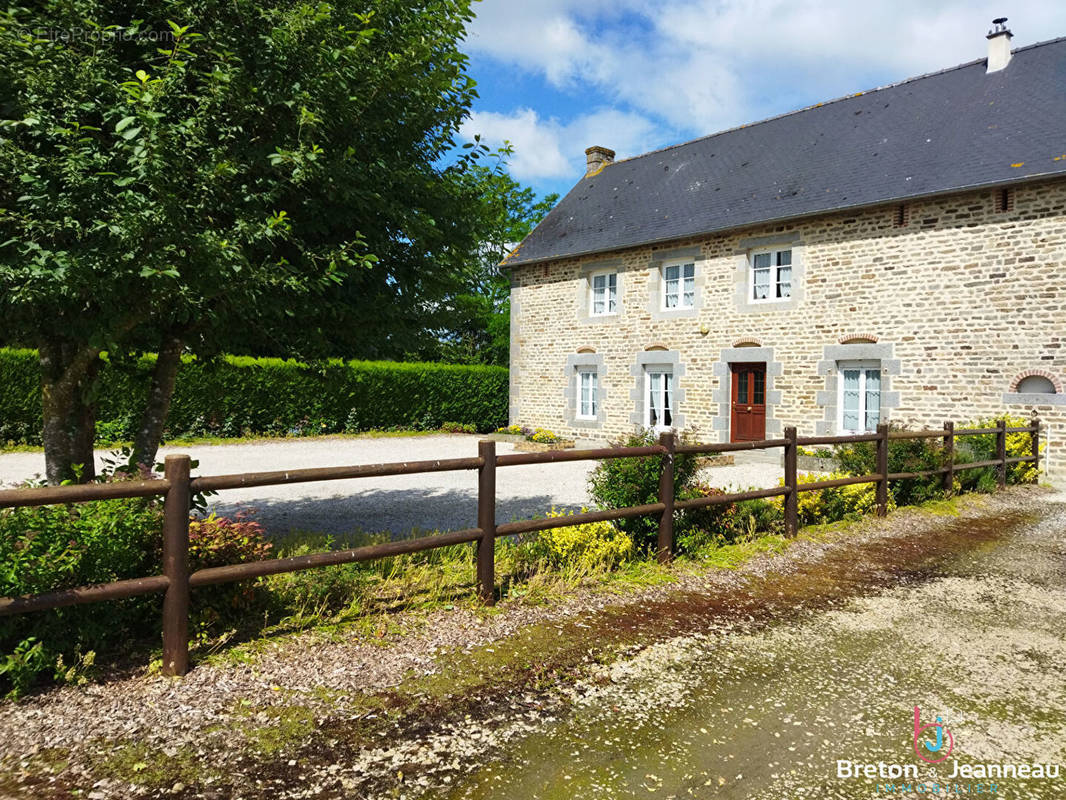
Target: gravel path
399	504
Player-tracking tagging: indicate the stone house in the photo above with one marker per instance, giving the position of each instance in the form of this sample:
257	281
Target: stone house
897	255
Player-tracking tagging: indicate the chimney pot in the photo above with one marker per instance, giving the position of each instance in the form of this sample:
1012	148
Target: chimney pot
998	45
597	158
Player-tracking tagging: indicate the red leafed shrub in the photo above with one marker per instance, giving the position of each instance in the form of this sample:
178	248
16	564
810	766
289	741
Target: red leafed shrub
217	542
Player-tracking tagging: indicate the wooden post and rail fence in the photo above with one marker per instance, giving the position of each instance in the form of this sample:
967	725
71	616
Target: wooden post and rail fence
178	486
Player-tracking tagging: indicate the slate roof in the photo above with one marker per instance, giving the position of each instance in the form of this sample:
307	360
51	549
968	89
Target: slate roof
948	131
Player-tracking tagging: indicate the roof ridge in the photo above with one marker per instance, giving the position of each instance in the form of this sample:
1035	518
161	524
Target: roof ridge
840	99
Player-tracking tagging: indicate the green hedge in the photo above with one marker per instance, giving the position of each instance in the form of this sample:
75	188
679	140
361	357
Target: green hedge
235	396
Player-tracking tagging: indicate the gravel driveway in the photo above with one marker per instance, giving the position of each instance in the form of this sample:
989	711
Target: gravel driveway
399	504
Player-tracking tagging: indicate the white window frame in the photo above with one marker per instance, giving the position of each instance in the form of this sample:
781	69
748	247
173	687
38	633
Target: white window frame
862	366
667	399
683	266
610	293
593	410
775	274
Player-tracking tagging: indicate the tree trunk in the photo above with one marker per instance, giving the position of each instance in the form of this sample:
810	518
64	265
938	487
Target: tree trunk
68	381
157	406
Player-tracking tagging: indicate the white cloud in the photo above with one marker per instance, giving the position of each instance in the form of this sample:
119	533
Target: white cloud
702	65
549	148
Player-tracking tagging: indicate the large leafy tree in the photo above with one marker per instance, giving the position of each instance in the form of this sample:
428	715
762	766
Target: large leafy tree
183	174
472	324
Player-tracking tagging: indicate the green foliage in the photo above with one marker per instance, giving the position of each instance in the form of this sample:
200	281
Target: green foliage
982	447
622	482
819	506
217	542
56	547
218	166
919	455
234	396
699	527
904	455
699	531
458	427
475	320
586	547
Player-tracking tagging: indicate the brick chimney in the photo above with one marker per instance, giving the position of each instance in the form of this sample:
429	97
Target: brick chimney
596	159
998	46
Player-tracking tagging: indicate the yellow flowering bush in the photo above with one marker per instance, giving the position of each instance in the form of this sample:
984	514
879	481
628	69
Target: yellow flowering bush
828	505
589	546
1019	445
544	436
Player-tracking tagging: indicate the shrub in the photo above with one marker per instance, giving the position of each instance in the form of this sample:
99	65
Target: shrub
841	502
622	482
544	436
236	396
698	527
217	542
458	427
587	547
515	430
56	547
904	455
982	447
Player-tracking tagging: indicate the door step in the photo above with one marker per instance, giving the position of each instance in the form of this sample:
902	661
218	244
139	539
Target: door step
773	456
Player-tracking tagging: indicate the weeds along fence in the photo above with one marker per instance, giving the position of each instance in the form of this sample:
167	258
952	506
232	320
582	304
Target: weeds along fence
177	487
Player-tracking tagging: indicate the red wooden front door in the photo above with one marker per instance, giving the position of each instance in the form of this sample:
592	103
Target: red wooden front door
748	402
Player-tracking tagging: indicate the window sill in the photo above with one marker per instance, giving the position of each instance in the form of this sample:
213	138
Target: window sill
1034	399
771	302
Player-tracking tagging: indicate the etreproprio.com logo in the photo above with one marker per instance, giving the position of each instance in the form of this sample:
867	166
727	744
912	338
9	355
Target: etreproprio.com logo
101	35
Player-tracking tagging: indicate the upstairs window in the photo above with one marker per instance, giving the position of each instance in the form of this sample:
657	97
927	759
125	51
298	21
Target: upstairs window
860	396
603	299
679	286
588	390
771	275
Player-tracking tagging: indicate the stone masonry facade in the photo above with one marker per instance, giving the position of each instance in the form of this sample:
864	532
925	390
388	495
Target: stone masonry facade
957	299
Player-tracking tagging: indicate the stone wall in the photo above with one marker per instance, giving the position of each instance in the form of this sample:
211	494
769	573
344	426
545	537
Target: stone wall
956	303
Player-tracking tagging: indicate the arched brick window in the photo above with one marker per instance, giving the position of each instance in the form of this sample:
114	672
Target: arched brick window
1036	381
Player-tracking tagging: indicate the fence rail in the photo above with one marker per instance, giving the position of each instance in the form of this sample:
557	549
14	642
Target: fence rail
177	488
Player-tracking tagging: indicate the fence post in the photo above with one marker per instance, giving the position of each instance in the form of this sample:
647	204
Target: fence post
1001	453
882	469
791	483
1034	444
176	506
666	497
486	521
949	459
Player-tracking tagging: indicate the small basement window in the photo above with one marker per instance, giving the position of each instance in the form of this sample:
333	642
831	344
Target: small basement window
1036	384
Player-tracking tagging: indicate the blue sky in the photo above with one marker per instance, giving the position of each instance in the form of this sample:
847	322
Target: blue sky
556	76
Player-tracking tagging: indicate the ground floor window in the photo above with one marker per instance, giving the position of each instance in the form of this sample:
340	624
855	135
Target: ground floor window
860	396
588	401
659	390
